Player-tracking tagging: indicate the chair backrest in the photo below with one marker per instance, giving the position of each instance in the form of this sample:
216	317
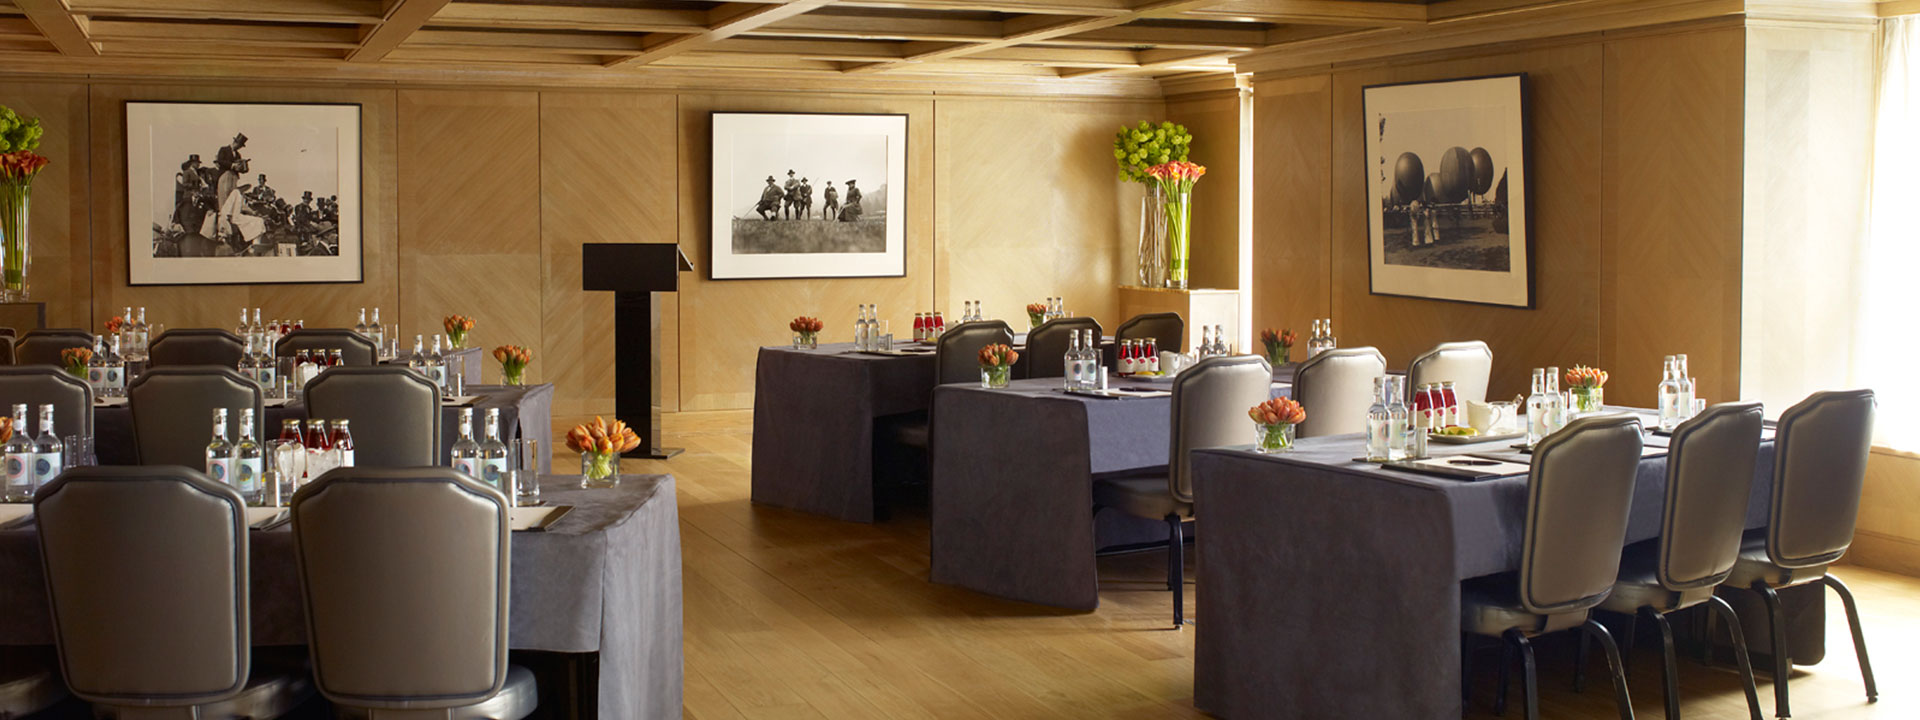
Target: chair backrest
405	578
196	346
6	346
1465	364
8	332
146	571
172	407
1710	462
36	385
395	413
355	349
957	353
42	347
1210	402
1047	345
1819	464
1579	492
1166	328
1336	387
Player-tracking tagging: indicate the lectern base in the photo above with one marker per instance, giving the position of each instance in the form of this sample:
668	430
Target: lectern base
658	453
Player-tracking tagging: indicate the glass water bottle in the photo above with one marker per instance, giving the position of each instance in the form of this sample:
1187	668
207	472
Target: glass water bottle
493	454
1379	423
18	453
465	455
220	451
248	463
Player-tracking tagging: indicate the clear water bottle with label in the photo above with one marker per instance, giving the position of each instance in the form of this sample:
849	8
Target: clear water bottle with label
18	453
1379	423
220	451
466	452
493	454
248	462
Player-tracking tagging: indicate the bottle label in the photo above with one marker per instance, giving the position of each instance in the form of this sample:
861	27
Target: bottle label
493	471
114	379
346	458
248	471
45	467
465	465
17	472
264	375
220	470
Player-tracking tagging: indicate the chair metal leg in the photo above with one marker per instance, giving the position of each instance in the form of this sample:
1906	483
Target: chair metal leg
1508	646
1620	697
1530	684
1176	572
1859	638
1724	611
1668	666
1782	665
1466	672
1627	642
1706	637
1580	663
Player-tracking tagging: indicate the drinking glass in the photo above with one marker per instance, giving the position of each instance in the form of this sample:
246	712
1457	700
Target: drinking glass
291	459
79	451
457	376
285	369
273	487
523	471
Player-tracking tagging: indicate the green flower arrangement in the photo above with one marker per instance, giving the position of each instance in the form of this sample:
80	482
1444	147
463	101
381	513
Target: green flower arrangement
18	133
1145	145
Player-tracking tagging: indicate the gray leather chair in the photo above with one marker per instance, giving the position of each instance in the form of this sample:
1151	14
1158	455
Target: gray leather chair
395	413
355	349
956	359
1465	364
6	350
1709	472
1210	402
1819	464
37	385
1047	345
1167	329
196	346
1579	492
29	682
42	347
405	577
146	573
1336	387
172	406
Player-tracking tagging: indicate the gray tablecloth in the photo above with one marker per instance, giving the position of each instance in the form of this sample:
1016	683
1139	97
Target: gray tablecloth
1331	588
1012	491
604	579
525	411
813	415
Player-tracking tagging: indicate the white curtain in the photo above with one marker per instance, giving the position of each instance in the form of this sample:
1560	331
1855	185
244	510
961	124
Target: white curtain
1887	356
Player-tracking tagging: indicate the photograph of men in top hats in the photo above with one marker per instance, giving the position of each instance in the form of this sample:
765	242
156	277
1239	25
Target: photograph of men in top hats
823	191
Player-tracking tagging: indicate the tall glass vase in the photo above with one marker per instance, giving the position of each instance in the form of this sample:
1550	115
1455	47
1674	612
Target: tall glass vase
14	256
1179	214
1153	239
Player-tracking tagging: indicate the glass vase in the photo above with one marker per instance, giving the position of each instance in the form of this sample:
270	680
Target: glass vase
1179	215
14	254
1588	399
1153	239
456	342
1278	355
1273	438
513	376
599	470
806	341
995	376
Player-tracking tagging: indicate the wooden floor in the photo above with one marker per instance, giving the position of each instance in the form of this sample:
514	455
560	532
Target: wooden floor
794	616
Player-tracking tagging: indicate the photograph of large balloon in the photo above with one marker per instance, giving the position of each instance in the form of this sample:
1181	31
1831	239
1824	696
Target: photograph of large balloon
1408	176
1482	170
1430	193
1456	175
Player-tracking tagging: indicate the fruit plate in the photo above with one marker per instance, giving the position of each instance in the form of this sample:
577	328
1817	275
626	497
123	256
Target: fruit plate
1470	439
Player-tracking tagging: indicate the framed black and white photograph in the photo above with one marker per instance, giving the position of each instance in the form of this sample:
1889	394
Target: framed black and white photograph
238	193
1446	176
809	195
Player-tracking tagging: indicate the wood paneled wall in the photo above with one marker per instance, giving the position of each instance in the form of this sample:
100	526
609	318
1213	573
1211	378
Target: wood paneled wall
477	201
1636	173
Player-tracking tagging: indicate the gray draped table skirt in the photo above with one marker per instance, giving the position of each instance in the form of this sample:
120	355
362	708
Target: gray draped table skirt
604	579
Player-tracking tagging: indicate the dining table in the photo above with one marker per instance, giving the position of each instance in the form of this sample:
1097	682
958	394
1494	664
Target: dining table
1330	586
599	587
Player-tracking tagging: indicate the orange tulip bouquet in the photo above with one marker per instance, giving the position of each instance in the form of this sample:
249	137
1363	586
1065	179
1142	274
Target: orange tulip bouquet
1279	345
600	445
1275	419
513	363
996	365
6	428
1036	314
1587	384
115	324
1174	181
74	360
19	137
457	327
806	332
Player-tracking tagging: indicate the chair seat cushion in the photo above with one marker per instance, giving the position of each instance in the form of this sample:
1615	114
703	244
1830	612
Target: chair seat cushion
1754	566
517	698
1639	584
1143	495
911	430
1491	606
29	682
278	683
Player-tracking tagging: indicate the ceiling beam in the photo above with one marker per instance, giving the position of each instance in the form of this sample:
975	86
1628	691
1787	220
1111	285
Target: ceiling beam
338	37
339	12
56	21
404	18
1154	60
1314	12
568	17
727	21
1037	28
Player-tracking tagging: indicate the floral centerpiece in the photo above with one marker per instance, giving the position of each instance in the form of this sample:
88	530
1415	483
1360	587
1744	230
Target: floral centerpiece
1036	315
116	324
996	365
513	363
1586	385
806	332
6	428
74	360
1137	148
1279	345
1176	180
1275	419
19	137
600	445
457	327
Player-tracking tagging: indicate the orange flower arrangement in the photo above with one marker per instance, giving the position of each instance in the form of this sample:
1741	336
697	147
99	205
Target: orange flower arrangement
1036	314
116	324
805	324
1279	345
457	327
513	362
1582	376
75	361
599	445
6	429
998	356
1278	411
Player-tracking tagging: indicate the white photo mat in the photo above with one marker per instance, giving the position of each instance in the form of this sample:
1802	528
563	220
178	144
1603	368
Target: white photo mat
750	147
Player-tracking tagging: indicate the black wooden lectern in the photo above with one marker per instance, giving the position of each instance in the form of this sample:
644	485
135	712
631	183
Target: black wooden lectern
634	272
